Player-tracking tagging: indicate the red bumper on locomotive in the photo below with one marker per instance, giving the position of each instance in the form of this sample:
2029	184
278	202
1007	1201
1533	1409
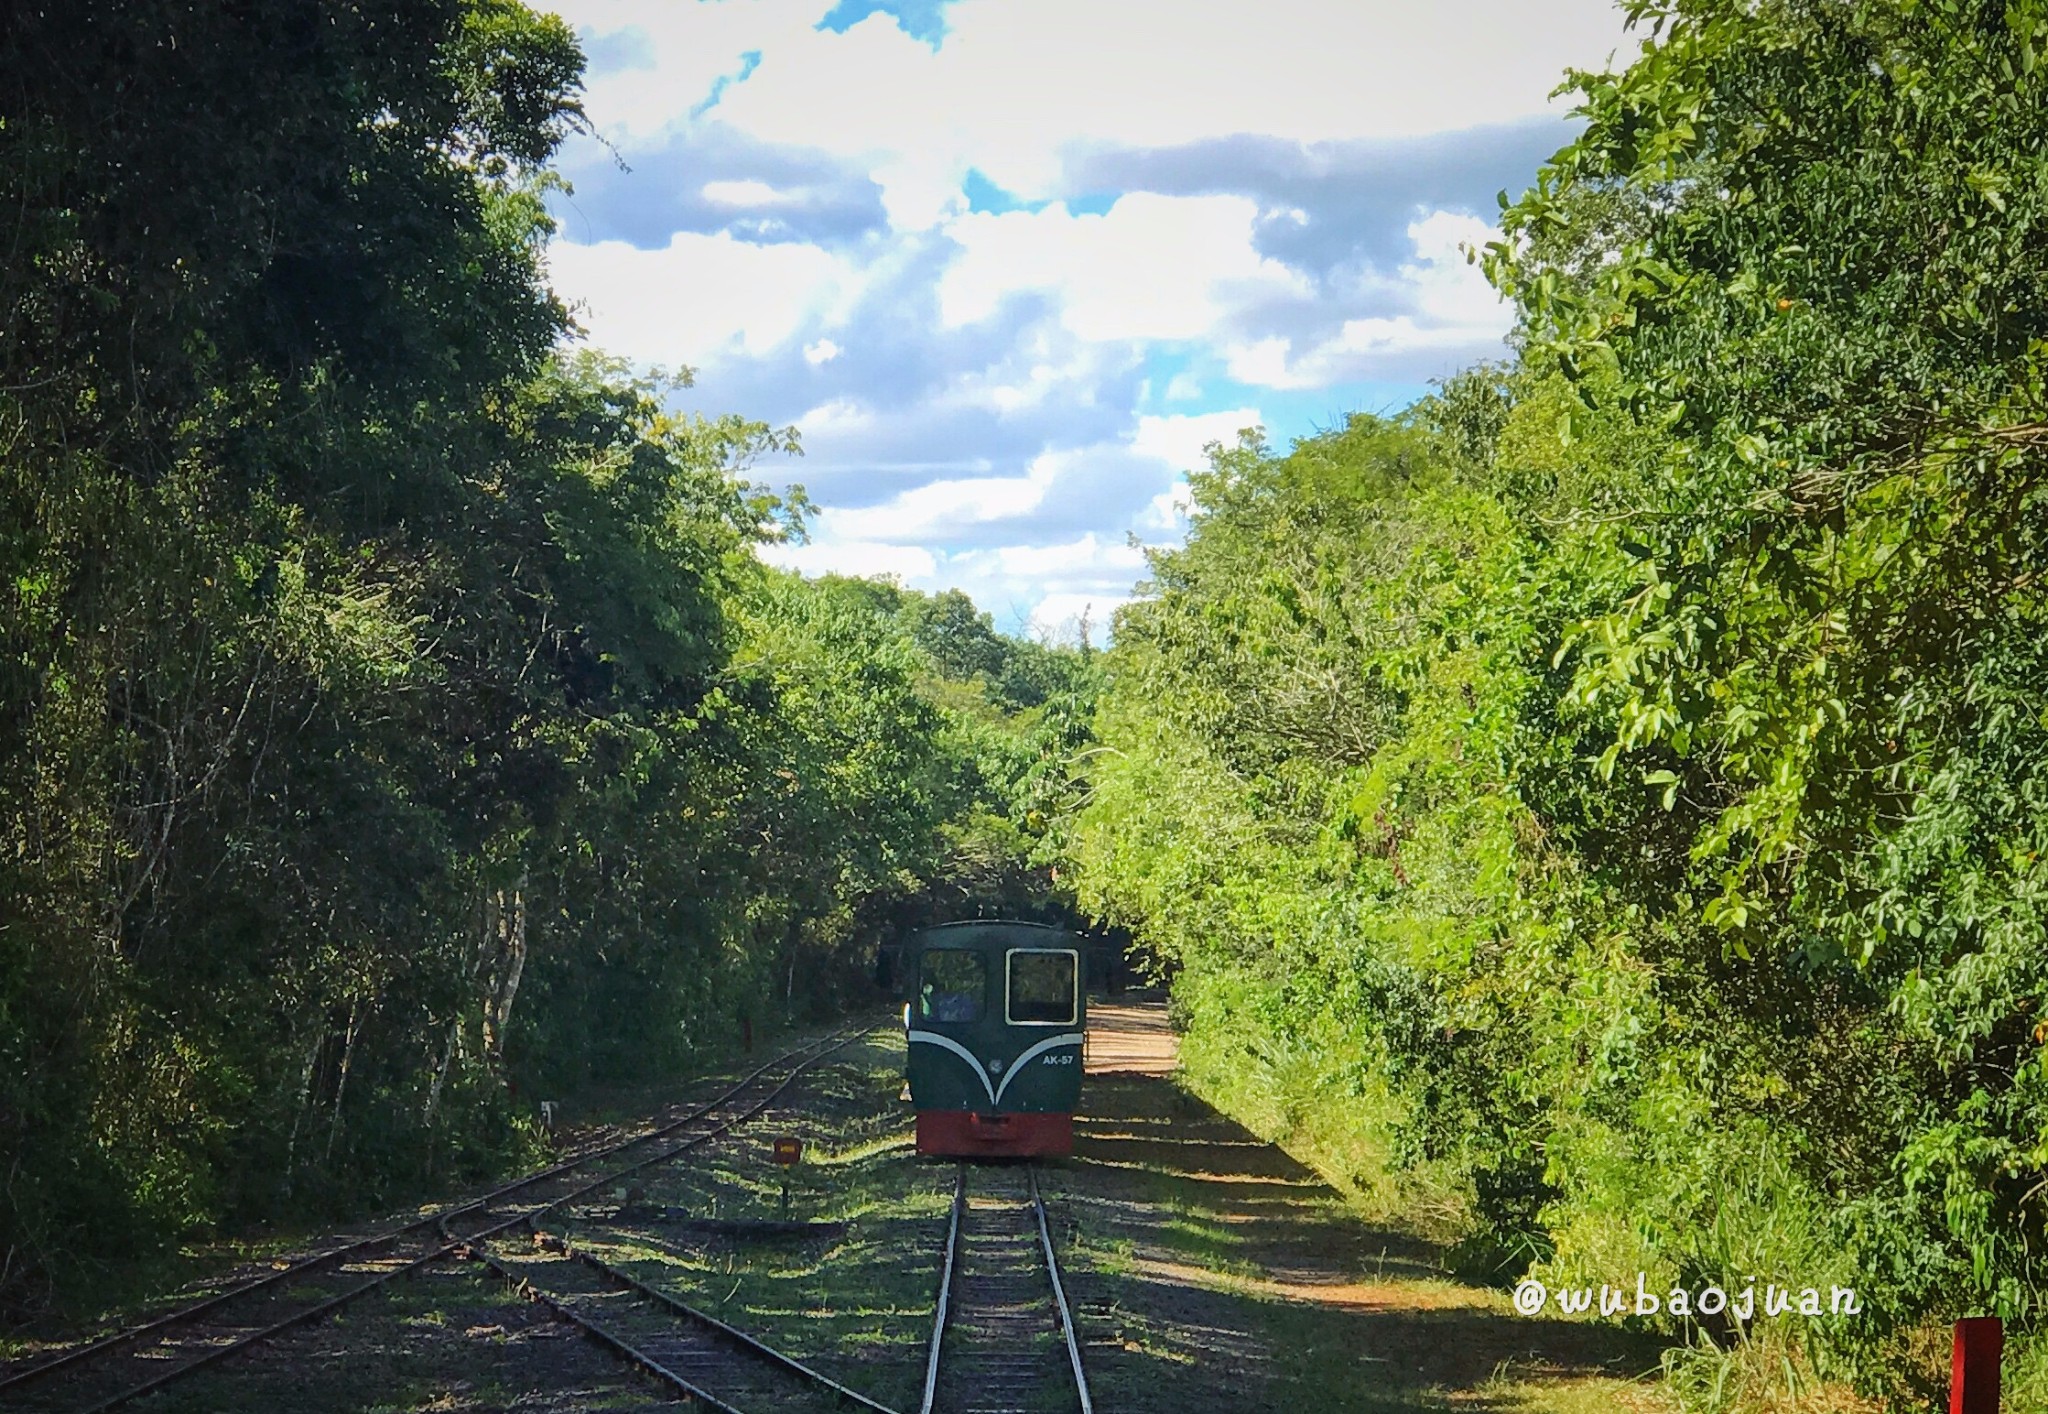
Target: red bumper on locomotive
966	1134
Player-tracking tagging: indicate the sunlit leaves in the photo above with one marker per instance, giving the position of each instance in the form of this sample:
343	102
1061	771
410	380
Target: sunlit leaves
393	709
1764	540
1829	291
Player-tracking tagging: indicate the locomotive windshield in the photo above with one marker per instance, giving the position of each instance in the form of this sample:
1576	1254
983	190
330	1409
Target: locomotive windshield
952	985
1042	989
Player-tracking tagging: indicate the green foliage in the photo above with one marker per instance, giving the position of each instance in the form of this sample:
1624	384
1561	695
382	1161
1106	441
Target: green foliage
1832	294
397	718
1640	750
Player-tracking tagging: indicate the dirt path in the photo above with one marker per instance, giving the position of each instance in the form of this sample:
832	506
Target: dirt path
1130	1038
1216	1273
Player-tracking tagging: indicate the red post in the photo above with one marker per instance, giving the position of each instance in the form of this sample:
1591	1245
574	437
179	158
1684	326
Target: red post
1980	1342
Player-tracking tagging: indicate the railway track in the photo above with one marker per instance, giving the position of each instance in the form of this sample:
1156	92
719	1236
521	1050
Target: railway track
696	1355
1003	1339
108	1373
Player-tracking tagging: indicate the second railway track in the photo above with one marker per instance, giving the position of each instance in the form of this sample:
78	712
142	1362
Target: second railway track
696	1355
127	1365
1003	1338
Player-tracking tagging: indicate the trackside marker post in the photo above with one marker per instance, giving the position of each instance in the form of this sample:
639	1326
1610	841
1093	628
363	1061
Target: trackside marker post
1980	1344
788	1150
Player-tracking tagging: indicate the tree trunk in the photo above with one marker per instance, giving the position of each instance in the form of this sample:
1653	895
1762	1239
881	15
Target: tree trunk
508	923
441	1071
348	1055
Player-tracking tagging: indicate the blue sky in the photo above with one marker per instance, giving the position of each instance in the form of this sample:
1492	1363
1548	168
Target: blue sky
1009	265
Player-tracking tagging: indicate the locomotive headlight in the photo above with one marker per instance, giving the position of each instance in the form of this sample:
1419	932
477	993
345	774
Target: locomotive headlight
995	1066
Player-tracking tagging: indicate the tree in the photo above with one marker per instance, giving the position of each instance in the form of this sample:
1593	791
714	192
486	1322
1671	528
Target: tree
1829	286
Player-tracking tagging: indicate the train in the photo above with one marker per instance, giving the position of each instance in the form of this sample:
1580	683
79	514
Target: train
997	1025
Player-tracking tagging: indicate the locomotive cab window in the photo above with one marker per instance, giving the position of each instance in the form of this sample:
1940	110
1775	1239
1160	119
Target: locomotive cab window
1044	986
952	985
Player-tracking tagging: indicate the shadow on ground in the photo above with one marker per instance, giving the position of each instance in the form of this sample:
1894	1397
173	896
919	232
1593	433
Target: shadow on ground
1215	1272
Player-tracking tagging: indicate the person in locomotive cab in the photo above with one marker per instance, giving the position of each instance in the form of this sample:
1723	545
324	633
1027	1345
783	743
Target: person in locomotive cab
949	1006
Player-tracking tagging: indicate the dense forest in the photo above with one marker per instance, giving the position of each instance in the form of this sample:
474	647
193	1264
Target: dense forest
1607	805
396	717
1598	813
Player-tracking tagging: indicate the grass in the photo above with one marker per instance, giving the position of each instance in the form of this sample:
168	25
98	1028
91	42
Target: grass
857	1303
1766	1375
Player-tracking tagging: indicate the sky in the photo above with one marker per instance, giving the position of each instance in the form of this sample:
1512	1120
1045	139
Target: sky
1008	266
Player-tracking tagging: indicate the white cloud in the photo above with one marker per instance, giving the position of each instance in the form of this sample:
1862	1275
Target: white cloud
700	297
939	509
1044	360
745	193
839	415
1452	310
1178	439
1263	363
1154	454
1036	589
1021	572
978	396
1017	396
1151	267
1450	287
1168	511
1089	553
692	48
1064	616
1016	83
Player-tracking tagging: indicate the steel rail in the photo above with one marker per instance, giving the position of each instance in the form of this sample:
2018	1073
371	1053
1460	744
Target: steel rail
1059	1296
950	1269
618	1344
474	1245
839	1041
303	1266
241	1343
811	1053
752	1345
299	1267
931	1364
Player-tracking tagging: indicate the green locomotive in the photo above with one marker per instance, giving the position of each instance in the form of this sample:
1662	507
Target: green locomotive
996	1022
